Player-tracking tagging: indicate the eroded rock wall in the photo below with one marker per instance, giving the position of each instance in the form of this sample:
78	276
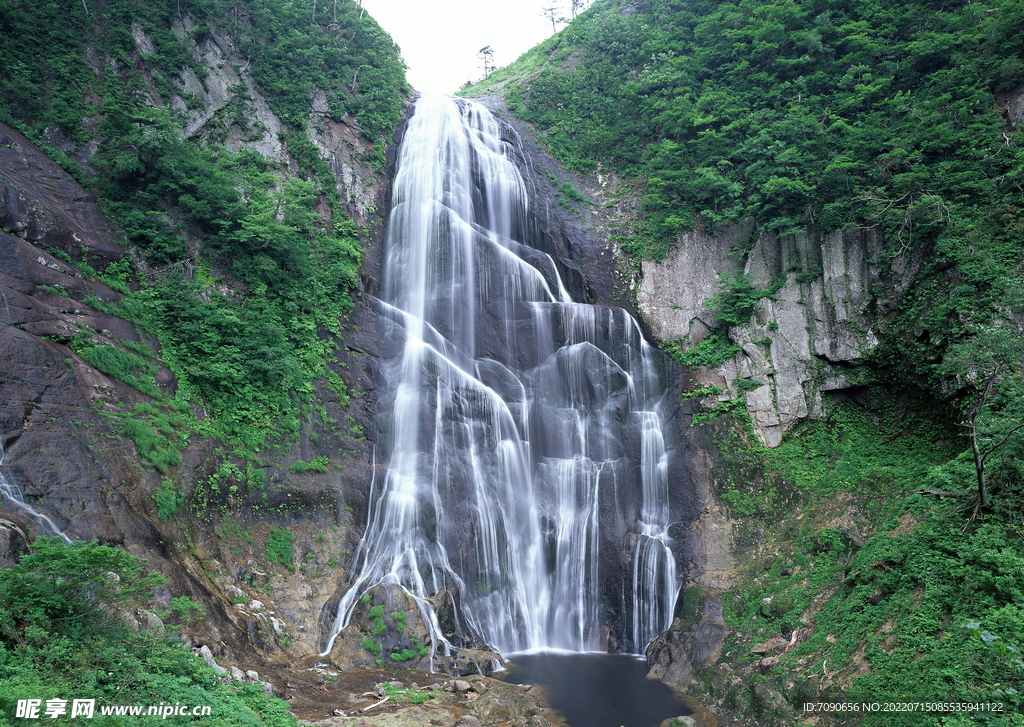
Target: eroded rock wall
802	339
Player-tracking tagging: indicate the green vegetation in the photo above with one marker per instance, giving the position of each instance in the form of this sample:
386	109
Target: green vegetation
713	350
186	610
279	547
62	637
399	617
989	364
735	304
249	268
401	695
129	367
168	500
376	615
886	587
794	112
373	646
318	464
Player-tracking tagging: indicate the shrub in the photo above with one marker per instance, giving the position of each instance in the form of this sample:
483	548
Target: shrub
279	546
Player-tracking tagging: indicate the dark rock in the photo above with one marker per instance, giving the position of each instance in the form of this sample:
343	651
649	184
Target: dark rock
42	204
676	657
767	701
14	540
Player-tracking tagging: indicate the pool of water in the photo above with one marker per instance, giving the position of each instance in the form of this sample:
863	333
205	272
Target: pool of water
597	690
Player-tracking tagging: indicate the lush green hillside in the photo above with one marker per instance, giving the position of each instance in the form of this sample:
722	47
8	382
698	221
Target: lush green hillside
62	638
792	112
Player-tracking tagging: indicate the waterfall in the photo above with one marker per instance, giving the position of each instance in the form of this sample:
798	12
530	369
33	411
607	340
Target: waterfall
7	308
521	425
12	499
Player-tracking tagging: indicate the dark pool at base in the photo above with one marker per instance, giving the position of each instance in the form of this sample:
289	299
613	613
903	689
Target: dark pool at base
597	690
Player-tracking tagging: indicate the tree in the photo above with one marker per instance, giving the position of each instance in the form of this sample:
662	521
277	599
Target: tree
551	13
487	56
58	586
991	365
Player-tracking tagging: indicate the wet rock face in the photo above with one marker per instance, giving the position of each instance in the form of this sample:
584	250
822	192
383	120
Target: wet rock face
692	643
49	398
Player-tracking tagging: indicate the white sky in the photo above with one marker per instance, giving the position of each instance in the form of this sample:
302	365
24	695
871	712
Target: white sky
440	39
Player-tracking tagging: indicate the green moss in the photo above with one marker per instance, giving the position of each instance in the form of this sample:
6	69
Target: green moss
376	614
399	618
372	646
318	464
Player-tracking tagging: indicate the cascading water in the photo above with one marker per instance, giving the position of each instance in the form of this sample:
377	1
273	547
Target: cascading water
7	308
527	467
12	499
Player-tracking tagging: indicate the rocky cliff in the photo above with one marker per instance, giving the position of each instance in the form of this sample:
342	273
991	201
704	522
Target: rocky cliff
823	295
260	549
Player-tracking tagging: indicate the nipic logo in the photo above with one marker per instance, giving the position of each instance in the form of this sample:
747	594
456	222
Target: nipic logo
35	709
29	708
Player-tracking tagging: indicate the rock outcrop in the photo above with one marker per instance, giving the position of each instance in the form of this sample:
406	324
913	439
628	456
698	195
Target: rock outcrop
803	338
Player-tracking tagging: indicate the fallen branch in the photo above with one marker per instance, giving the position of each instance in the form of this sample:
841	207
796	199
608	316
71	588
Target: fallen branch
372	706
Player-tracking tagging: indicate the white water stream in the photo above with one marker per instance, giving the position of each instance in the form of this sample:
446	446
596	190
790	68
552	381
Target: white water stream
13	499
521	422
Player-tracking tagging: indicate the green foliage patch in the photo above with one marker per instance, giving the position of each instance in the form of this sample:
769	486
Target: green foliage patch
317	464
62	636
875	453
168	499
903	599
279	547
125	365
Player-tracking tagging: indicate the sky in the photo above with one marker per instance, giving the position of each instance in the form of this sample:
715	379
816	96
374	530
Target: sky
441	39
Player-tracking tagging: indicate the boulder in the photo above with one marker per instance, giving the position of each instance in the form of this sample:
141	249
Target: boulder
679	722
